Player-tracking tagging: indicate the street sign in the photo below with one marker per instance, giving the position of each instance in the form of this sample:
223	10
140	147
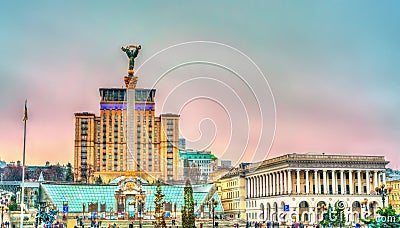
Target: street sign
286	207
65	209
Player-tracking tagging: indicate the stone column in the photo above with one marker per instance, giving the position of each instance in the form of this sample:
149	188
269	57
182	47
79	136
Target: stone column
298	181
258	186
281	182
307	183
277	183
264	185
273	183
270	184
359	182
384	177
131	138
342	182
334	188
316	180
367	182
284	182
250	187
253	185
351	182
289	181
325	182
247	188
376	178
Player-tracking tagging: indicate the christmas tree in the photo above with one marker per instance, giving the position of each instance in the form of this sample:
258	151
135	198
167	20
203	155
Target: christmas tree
159	209
188	219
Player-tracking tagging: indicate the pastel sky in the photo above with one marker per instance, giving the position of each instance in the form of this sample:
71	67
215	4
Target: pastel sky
331	67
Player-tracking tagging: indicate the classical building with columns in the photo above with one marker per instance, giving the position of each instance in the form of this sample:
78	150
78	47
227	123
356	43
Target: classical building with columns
299	187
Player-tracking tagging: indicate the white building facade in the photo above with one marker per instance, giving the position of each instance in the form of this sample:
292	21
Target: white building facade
300	187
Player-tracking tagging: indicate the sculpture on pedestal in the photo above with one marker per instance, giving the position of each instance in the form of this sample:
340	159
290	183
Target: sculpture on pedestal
131	51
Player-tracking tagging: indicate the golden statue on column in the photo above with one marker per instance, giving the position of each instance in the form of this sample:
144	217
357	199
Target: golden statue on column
131	51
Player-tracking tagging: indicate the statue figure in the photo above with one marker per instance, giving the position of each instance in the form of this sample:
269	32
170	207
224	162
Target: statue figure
132	54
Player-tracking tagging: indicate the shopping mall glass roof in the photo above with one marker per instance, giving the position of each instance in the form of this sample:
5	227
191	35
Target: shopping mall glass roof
76	195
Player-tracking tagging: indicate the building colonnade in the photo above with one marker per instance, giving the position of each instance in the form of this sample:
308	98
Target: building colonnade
313	181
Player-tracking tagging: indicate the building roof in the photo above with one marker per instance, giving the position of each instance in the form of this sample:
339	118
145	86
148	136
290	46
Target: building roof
317	160
76	195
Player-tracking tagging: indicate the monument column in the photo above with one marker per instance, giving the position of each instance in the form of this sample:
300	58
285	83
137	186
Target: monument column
130	83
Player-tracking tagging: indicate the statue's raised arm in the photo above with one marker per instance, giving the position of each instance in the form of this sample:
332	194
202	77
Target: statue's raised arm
132	54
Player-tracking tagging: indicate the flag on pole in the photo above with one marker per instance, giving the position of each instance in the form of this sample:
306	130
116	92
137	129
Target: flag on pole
26	111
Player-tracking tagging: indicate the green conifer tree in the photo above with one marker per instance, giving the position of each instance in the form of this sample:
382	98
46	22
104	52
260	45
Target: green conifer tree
159	208
188	219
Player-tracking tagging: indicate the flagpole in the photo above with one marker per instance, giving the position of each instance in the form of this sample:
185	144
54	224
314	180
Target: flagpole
23	168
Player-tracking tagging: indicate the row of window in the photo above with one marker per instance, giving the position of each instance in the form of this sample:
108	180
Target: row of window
233	194
231	183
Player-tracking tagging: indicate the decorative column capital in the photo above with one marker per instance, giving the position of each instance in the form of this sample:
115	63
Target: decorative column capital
130	82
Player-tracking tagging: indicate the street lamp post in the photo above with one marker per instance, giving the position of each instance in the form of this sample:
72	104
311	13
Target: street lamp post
383	192
321	208
365	204
141	207
211	205
110	208
3	209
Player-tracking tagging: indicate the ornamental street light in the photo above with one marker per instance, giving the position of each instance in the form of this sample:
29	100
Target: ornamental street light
110	208
4	208
365	204
321	208
212	204
140	210
383	192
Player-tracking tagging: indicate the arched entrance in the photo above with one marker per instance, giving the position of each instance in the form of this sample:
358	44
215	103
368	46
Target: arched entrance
268	212
304	211
321	207
262	214
356	212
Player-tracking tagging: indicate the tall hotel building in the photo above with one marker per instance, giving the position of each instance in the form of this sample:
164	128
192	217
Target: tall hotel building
100	142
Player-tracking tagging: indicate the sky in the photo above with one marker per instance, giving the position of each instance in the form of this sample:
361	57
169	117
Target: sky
251	80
